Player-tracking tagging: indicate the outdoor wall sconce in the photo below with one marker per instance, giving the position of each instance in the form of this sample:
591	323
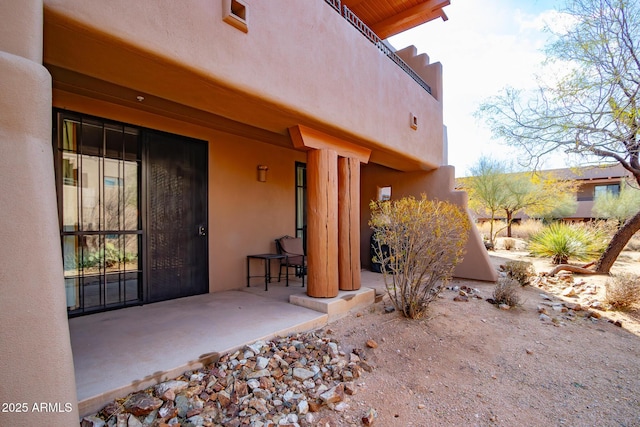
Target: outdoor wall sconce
262	173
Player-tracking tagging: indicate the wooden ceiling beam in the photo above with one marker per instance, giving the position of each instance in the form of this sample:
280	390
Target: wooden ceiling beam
412	17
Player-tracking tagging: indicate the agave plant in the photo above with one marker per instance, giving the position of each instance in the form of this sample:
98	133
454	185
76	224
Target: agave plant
561	241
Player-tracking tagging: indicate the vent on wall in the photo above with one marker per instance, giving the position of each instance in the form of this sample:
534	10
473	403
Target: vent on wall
234	12
413	121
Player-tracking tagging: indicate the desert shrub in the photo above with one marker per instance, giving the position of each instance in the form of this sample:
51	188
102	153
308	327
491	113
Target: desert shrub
520	230
603	227
485	227
506	292
487	243
526	229
425	241
520	271
509	244
623	291
561	242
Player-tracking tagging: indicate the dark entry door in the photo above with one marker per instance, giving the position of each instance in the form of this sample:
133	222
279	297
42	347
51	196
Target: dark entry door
176	173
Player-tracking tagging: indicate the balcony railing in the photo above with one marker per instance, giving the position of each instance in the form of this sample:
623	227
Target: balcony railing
353	19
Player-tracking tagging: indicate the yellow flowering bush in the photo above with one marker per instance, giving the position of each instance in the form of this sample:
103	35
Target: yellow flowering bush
418	244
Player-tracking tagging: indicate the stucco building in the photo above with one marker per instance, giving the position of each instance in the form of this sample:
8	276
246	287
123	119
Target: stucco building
150	146
591	181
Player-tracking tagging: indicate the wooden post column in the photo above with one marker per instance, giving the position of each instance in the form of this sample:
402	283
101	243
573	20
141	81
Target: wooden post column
322	223
349	223
327	270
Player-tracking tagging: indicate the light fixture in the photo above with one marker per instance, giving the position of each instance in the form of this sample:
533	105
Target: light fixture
262	173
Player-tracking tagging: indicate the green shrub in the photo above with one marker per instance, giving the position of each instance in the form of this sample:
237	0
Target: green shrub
623	292
520	271
106	257
561	242
425	241
506	292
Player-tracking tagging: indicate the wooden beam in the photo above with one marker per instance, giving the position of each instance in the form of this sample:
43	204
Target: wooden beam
305	138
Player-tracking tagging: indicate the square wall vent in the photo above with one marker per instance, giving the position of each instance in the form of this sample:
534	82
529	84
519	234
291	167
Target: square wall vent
234	12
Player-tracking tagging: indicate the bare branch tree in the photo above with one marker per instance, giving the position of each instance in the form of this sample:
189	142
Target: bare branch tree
593	109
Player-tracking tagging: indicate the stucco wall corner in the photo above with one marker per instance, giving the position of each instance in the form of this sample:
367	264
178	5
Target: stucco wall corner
437	184
26	90
476	264
36	362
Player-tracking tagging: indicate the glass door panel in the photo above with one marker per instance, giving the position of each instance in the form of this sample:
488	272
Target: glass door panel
98	169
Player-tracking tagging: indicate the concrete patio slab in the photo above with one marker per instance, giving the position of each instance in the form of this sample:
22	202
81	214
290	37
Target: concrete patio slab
118	352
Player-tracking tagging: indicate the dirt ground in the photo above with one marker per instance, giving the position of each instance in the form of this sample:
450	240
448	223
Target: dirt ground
473	364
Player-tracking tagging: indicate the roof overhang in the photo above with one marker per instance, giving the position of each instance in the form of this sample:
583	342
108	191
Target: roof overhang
390	17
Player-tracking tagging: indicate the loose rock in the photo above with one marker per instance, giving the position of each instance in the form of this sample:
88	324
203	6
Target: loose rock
141	404
544	317
266	384
369	417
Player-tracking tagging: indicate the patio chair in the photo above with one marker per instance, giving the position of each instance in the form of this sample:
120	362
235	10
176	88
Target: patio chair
292	248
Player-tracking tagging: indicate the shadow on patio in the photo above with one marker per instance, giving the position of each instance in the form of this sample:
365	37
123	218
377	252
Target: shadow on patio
118	352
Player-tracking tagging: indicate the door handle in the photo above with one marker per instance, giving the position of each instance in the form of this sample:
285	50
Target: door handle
202	230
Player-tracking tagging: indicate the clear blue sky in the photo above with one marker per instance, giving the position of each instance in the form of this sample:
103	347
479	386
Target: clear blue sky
484	46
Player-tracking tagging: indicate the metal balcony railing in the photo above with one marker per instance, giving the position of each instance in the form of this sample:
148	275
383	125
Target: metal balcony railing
353	19
334	4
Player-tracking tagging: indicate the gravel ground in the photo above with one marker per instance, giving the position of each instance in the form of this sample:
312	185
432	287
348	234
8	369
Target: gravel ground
472	364
553	360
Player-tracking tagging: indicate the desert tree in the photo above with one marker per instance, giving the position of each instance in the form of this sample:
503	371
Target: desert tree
551	196
486	189
618	206
493	190
538	194
592	107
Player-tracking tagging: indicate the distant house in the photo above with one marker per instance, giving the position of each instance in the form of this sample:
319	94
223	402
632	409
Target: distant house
150	146
592	181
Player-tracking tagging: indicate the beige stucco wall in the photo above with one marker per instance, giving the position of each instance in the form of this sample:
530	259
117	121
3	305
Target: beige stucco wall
21	29
437	184
299	63
36	365
245	215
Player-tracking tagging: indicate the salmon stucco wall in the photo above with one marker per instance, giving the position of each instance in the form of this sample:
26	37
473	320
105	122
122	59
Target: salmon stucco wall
36	366
187	54
436	184
245	215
